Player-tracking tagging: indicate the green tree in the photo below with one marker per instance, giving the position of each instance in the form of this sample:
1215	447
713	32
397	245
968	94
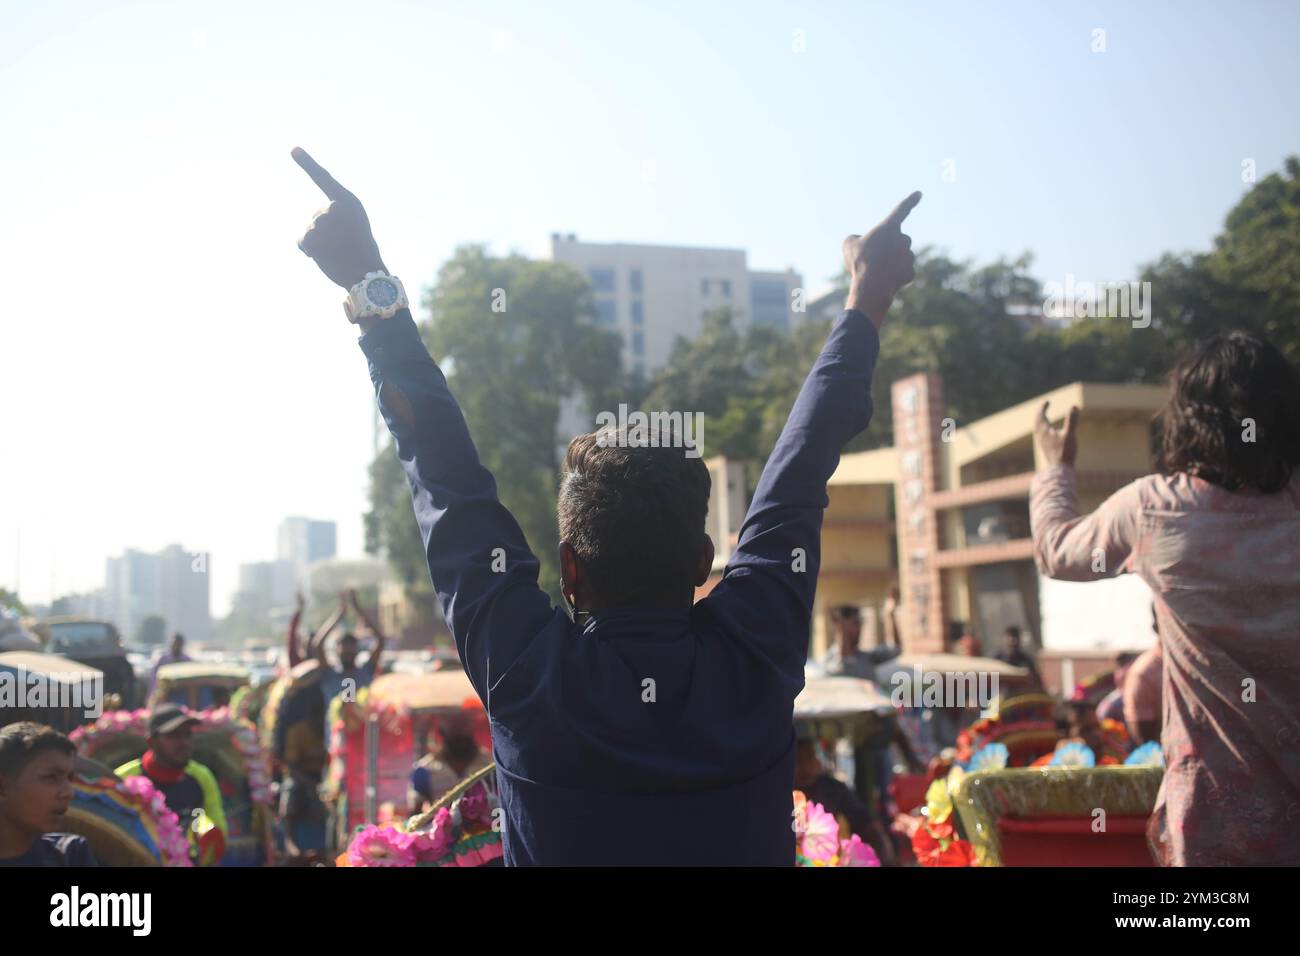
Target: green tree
10	599
515	340
1250	280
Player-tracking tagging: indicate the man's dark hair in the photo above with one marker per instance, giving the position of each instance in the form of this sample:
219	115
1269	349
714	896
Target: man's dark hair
1125	658
634	514
845	612
1012	631
1213	391
348	637
21	742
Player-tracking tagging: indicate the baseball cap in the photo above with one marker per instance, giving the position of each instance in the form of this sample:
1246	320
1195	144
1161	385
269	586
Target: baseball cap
167	718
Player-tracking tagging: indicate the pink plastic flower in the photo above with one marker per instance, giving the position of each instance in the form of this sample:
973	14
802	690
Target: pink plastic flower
380	846
853	852
474	806
821	838
428	845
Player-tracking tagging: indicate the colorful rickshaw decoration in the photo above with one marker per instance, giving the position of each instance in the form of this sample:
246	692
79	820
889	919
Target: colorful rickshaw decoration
462	829
1056	816
126	822
376	741
226	745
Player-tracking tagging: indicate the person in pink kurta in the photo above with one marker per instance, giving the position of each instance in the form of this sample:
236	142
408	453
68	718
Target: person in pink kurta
1216	535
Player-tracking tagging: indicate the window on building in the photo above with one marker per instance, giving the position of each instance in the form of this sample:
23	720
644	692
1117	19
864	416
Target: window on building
634	280
704	286
726	288
606	312
768	299
602	279
638	343
638	312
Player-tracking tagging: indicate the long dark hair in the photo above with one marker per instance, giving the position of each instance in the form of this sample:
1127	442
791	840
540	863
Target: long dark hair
1233	416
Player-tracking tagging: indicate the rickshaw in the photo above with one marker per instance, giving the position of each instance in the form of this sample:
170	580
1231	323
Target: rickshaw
920	685
95	644
51	690
1058	816
198	685
378	738
285	699
247	702
843	707
853	711
227	746
126	822
461	829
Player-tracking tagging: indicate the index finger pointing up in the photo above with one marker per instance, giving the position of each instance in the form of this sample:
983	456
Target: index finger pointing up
327	183
902	209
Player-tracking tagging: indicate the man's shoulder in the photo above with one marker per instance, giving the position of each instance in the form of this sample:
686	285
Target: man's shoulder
62	849
200	773
72	848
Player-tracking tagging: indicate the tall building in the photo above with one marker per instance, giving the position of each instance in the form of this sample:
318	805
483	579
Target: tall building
653	294
185	592
131	586
303	541
268	584
173	583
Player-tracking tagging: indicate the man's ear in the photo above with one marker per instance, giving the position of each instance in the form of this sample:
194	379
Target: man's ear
704	562
570	569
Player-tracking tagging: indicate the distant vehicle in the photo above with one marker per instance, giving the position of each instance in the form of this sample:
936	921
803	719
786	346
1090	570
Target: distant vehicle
13	636
64	709
259	674
198	685
95	643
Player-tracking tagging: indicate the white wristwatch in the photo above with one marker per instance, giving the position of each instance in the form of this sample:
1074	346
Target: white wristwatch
377	296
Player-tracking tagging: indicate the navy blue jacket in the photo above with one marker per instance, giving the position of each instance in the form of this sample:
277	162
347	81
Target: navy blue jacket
590	773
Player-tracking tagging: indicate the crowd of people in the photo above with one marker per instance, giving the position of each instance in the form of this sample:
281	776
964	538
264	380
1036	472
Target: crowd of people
633	707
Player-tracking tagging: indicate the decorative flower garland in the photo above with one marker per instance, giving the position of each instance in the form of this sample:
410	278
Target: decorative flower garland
243	738
460	835
156	826
819	842
989	729
934	839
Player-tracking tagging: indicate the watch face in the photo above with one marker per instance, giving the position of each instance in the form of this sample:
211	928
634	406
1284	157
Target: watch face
381	292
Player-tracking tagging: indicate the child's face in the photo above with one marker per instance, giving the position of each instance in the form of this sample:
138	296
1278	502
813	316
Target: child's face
37	799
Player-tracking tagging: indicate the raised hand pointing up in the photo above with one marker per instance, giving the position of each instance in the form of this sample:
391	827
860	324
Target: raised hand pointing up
880	263
339	239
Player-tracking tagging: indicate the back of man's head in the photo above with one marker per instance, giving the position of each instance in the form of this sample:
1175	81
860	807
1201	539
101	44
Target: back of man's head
634	514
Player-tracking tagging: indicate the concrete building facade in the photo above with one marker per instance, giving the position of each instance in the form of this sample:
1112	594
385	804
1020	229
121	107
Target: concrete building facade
944	516
653	294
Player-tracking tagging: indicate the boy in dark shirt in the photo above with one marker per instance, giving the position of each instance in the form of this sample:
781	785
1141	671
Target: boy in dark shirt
36	768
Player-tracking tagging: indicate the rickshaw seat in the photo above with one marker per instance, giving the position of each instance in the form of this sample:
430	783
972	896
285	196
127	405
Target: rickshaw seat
1071	841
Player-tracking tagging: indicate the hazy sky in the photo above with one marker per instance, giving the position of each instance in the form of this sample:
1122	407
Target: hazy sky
173	369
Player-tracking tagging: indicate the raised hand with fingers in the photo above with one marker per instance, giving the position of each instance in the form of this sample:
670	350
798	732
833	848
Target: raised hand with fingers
880	263
1060	445
339	239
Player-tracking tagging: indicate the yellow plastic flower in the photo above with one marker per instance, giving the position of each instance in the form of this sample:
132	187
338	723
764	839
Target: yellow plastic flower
937	802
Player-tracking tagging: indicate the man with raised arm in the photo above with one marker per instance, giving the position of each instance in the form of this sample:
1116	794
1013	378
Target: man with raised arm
645	729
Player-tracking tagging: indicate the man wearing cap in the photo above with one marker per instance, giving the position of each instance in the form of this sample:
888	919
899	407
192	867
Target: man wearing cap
189	788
